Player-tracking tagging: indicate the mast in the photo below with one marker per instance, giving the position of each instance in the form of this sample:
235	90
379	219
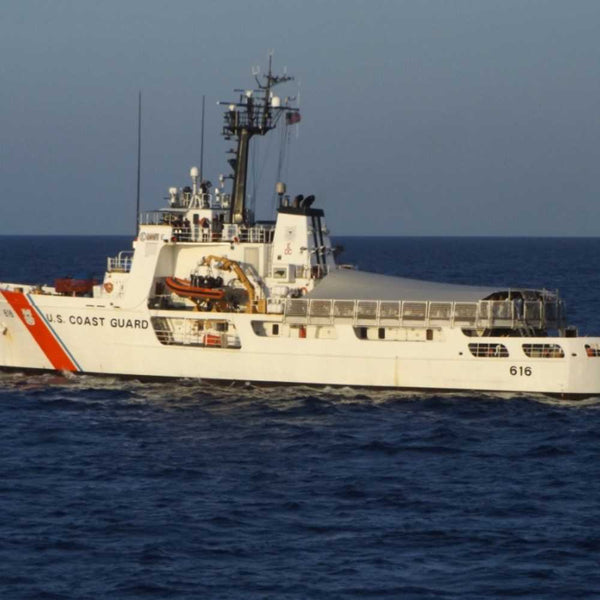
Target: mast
256	113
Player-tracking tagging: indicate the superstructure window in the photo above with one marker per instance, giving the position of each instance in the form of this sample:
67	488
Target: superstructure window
280	273
543	351
592	350
488	350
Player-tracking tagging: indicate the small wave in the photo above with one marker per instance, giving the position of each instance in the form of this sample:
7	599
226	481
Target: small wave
396	591
381	447
144	590
549	450
66	389
393	449
351	491
592	402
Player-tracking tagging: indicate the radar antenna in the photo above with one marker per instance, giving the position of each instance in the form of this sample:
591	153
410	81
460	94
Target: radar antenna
255	113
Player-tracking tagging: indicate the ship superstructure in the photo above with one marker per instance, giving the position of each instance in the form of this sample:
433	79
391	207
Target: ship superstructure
209	292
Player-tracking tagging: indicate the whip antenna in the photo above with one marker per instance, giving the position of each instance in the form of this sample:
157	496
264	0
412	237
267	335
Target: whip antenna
139	162
202	140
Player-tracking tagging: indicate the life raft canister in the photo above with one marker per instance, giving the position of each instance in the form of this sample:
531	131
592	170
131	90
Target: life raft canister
211	339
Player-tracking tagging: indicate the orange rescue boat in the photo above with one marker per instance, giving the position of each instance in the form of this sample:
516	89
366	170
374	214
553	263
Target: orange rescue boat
183	287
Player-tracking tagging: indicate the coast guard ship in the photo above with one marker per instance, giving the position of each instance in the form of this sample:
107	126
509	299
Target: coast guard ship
208	292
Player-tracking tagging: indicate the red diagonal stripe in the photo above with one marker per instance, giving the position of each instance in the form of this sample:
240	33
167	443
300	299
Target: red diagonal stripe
39	330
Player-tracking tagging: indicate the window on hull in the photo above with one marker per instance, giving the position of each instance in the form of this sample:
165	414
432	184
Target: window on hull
396	334
592	350
203	333
543	351
488	350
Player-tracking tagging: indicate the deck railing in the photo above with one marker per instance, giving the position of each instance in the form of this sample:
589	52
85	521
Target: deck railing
485	314
212	232
120	263
187	332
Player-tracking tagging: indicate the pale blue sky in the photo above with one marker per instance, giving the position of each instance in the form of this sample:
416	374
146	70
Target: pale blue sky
461	117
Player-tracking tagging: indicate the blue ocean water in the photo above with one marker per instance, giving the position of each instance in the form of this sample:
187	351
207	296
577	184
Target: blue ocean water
122	489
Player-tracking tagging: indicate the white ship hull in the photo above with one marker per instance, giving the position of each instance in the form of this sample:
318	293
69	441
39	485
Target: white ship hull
207	292
61	333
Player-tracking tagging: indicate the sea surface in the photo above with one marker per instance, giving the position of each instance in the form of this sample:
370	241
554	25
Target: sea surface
123	489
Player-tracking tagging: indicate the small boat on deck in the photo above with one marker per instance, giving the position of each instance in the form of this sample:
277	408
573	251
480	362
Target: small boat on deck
75	286
185	289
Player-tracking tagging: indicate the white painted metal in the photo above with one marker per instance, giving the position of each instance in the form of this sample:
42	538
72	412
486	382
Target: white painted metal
288	314
113	330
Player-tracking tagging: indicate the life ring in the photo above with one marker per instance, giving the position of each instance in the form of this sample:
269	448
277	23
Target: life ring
304	291
236	240
108	286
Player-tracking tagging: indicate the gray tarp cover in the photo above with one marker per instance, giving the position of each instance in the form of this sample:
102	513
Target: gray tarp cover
345	284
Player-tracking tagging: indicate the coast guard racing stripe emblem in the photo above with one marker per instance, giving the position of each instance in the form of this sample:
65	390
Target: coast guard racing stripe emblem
40	331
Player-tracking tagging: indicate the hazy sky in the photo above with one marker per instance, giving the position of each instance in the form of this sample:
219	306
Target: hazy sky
420	117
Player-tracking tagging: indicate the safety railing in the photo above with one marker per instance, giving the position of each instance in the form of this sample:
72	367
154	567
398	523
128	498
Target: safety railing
509	314
156	217
205	231
167	215
194	233
120	263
